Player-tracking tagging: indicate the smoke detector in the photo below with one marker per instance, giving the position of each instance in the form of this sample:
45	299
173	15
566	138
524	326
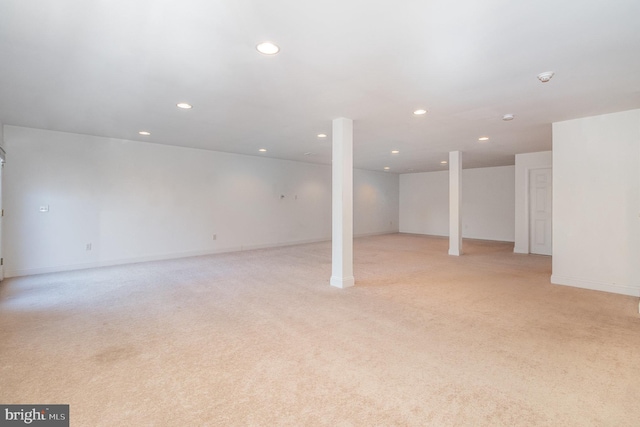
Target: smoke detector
546	76
507	117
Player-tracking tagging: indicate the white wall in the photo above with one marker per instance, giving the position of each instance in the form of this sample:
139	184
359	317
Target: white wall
137	201
596	203
375	202
487	203
424	203
1	206
525	163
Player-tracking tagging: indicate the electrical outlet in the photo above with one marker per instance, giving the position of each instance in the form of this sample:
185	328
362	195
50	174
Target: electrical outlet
88	246
215	237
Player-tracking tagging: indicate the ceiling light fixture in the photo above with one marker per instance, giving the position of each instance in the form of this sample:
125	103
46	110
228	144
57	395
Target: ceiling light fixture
322	135
507	117
144	132
267	48
444	162
546	76
262	150
184	106
387	168
395	151
483	138
420	112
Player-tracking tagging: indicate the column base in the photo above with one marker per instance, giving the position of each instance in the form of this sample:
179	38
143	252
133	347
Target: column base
342	282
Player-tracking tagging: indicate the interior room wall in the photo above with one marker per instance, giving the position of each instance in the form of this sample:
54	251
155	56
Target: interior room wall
111	201
375	202
1	206
525	163
424	203
596	202
488	203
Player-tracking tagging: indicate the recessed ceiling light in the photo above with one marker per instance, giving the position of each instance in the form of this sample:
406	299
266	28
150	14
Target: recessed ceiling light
394	151
444	162
420	112
387	168
263	150
322	135
507	117
267	48
144	132
483	138
184	106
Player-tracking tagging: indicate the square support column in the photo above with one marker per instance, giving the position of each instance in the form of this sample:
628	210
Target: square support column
455	203
342	204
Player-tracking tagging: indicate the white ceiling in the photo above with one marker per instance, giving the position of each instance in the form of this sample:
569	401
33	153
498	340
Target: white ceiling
114	67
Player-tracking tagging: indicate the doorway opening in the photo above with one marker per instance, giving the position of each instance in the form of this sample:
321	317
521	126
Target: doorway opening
540	211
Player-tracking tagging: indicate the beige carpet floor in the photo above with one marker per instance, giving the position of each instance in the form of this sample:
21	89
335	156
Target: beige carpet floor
260	338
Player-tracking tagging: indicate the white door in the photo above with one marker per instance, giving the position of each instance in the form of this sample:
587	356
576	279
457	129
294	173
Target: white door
1	215
540	211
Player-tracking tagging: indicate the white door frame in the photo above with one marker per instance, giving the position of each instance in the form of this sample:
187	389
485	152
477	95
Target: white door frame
1	212
527	203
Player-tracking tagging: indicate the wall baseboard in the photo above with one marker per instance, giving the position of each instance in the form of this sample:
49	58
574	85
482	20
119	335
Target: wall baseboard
419	233
109	263
633	291
164	257
520	249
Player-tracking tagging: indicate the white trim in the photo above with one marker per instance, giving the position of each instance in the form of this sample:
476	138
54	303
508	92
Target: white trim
528	208
150	258
633	291
342	282
164	257
525	247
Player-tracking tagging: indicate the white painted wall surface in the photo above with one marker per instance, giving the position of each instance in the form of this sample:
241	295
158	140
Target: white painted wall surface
136	201
375	202
1	206
424	203
488	202
596	203
524	163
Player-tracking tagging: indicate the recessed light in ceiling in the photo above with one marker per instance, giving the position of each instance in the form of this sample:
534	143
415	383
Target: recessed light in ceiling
420	112
483	138
395	151
444	162
184	106
387	168
144	132
262	150
267	48
322	135
507	117
546	76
